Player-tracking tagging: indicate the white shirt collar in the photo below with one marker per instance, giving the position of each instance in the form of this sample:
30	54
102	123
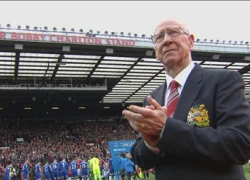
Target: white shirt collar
182	76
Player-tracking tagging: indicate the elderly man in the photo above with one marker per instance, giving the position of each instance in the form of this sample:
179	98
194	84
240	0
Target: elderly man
197	124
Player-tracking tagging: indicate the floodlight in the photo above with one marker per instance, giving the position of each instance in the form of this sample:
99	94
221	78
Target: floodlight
109	50
66	48
216	56
8	25
247	58
18	46
27	27
54	28
149	53
81	30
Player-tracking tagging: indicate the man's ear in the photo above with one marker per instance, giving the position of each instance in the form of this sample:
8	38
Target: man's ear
191	41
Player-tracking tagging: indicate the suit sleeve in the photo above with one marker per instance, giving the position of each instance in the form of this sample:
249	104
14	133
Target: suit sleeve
226	143
142	156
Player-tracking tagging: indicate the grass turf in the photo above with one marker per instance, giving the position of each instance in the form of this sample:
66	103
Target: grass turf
246	170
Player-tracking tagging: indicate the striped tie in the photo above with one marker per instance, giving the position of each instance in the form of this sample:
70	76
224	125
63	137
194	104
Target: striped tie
172	98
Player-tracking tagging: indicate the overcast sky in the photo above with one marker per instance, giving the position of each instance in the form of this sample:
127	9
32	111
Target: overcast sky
211	20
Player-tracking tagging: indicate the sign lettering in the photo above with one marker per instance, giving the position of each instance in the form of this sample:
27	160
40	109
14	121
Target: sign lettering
71	39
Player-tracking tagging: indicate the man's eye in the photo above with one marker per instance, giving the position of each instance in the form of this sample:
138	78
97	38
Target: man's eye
173	32
159	37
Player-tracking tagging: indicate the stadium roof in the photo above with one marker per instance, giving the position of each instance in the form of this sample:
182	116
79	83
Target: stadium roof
83	76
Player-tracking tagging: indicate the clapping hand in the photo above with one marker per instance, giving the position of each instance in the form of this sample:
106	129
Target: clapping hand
149	120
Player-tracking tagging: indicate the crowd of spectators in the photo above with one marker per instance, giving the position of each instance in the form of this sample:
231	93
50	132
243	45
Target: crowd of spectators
59	139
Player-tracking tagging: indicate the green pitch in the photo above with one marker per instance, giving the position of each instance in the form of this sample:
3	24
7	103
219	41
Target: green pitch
246	170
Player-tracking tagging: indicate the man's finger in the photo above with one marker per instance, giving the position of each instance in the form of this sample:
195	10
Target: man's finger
133	126
165	109
150	107
137	110
154	103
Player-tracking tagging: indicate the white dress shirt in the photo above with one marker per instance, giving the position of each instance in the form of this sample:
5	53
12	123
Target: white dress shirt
181	78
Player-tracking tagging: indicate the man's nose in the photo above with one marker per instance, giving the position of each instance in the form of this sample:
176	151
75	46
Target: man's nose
167	39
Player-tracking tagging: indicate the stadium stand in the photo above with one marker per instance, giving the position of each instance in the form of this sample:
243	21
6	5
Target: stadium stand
46	74
62	93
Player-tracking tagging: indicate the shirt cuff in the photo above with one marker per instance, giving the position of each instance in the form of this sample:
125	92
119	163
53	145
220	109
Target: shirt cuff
162	132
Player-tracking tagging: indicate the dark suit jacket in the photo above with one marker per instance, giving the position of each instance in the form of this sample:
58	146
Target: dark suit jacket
191	152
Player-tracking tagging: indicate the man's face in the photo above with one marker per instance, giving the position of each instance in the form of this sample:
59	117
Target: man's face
172	43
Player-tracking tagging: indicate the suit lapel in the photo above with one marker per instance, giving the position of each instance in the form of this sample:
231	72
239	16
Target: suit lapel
189	93
160	97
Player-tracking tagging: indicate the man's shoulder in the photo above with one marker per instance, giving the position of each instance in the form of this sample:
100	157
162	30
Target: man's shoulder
217	71
217	74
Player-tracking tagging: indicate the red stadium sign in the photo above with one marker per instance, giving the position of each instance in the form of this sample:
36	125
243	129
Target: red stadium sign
61	38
